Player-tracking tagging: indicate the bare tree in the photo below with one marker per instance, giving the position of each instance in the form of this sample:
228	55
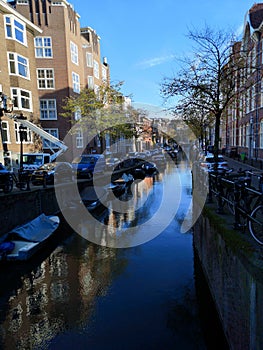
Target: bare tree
207	82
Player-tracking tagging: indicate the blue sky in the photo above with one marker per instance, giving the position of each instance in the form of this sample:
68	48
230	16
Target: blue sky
142	39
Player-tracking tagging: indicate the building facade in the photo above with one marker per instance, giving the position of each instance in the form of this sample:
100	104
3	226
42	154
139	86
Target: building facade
64	59
242	128
17	80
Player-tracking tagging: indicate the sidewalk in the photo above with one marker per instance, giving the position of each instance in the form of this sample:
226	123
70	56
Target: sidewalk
235	164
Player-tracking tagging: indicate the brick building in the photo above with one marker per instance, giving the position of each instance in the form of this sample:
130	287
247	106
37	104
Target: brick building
64	59
17	78
243	126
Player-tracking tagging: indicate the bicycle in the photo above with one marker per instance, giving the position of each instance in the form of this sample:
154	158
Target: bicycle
249	209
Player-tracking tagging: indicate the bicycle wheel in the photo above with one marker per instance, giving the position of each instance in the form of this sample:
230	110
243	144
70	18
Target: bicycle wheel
8	185
231	202
256	224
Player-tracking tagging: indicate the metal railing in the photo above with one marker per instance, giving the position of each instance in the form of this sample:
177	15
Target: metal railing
240	194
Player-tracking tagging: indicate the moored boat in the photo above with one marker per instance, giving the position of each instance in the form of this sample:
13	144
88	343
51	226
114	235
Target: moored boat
24	241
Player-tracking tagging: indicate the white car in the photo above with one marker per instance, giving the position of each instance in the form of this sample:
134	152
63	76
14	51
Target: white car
207	163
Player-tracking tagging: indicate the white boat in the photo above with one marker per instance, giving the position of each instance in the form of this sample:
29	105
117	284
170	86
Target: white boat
25	240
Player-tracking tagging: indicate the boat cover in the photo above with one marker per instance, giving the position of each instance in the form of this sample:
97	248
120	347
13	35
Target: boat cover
36	230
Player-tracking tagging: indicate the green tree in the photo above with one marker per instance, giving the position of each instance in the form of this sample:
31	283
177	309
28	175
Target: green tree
101	112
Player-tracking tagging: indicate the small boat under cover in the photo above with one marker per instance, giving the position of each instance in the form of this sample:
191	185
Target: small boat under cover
25	240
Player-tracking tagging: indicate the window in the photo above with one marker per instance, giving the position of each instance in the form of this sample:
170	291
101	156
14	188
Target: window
15	29
22	99
48	109
253	97
89	59
76	83
90	82
247	134
18	65
261	134
104	74
17	134
45	78
43	47
5	132
77	114
74	53
48	144
79	138
96	70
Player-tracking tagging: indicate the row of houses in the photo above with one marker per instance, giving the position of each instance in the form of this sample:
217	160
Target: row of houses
46	56
242	129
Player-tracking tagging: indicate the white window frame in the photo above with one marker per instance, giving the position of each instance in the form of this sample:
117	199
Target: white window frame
79	138
19	97
253	97
77	114
29	138
261	134
104	74
76	82
48	79
90	82
5	131
248	130
43	47
89	59
15	29
17	62
48	109
96	69
74	53
53	132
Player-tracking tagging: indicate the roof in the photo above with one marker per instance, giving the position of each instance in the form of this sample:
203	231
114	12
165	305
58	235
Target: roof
256	15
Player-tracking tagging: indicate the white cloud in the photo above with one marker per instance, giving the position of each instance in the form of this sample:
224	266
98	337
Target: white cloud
156	61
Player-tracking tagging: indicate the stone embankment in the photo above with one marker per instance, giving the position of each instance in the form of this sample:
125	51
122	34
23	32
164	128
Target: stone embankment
233	265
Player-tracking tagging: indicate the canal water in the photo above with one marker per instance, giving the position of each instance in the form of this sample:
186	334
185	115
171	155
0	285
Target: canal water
78	294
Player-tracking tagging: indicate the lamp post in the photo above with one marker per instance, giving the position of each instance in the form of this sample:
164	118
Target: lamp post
22	135
6	106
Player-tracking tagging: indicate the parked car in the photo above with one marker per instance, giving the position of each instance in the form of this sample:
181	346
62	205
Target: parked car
87	164
52	172
149	168
207	163
111	163
6	180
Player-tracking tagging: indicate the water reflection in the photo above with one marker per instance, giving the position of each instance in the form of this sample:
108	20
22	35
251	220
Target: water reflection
85	295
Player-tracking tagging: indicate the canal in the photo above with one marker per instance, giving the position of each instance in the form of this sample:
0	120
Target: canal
149	295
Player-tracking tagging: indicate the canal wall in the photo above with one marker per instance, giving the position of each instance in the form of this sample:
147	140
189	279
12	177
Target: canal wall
19	207
233	266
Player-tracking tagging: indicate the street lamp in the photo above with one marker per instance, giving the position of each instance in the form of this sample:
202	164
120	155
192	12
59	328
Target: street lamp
6	106
23	136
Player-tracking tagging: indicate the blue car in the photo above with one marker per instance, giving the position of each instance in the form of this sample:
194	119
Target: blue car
88	164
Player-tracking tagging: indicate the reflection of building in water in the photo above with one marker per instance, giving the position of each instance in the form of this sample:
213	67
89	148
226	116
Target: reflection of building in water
58	293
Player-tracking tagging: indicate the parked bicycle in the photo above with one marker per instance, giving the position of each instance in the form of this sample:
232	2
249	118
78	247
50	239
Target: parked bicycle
244	201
